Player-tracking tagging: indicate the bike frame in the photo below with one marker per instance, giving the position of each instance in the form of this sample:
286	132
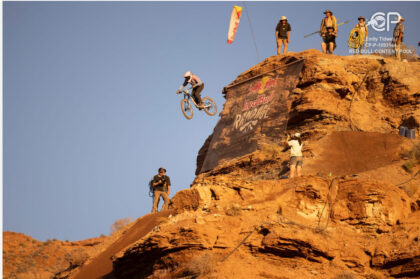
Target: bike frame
188	96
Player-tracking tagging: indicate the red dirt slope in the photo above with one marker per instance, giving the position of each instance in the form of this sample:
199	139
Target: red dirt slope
101	265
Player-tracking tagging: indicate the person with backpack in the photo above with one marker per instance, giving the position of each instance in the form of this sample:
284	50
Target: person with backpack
328	21
283	34
296	156
197	85
161	187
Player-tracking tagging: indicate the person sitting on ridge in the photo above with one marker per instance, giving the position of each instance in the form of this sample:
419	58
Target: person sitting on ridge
296	156
197	85
328	44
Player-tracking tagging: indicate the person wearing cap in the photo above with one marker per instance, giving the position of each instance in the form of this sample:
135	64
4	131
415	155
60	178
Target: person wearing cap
161	188
398	37
328	21
328	44
363	31
296	156
283	34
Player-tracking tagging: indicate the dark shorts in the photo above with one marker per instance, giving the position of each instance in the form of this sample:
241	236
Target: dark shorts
296	160
327	41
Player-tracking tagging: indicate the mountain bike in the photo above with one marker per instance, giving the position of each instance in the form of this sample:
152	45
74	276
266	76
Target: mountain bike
187	109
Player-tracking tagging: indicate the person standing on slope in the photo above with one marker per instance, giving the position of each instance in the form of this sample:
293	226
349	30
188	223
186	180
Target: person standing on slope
161	187
197	85
296	156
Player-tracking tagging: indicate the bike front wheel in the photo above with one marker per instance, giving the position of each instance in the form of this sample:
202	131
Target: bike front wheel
187	109
209	106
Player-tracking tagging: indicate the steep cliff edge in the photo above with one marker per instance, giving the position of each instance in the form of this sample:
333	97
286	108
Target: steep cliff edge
345	217
353	214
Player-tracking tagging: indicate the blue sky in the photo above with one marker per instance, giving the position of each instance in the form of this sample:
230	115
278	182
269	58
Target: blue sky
89	105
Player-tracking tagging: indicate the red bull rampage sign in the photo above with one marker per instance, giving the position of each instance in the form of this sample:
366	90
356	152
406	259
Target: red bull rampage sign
255	110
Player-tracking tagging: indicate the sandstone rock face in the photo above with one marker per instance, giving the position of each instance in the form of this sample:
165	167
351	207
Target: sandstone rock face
308	227
353	214
355	93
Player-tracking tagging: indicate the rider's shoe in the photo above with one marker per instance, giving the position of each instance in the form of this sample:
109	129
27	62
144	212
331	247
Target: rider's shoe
201	106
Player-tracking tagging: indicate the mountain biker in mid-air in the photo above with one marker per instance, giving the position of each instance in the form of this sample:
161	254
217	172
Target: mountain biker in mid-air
197	85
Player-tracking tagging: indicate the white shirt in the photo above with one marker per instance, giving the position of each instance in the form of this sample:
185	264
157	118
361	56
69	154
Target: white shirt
296	148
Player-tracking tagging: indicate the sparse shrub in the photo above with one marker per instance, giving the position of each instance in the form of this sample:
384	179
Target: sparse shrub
203	264
119	224
271	149
233	210
414	158
77	257
415	152
376	275
410	188
345	275
280	210
408	52
408	166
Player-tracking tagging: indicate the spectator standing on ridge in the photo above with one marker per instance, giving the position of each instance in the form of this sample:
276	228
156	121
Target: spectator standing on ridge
398	37
161	187
296	156
283	34
328	44
328	21
363	30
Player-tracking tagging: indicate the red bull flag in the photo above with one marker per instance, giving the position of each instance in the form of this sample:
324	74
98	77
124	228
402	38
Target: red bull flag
234	23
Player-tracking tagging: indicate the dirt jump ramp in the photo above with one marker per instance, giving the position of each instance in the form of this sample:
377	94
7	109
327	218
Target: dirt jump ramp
349	152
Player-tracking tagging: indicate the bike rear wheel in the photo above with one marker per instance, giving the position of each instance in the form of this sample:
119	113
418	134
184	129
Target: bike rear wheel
209	106
187	109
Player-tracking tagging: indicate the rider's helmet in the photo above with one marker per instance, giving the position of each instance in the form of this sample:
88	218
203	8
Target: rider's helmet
187	74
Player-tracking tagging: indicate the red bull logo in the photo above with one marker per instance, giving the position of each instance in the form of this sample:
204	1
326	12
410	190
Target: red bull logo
262	86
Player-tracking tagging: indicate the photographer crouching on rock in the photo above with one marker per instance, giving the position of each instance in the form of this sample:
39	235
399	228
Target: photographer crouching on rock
161	187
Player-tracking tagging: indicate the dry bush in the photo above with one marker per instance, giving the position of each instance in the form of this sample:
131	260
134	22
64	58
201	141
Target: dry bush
410	188
415	152
376	275
203	264
407	52
344	275
408	166
119	224
414	158
233	210
272	150
77	257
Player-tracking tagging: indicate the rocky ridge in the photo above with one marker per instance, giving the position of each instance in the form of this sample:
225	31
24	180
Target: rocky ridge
353	214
